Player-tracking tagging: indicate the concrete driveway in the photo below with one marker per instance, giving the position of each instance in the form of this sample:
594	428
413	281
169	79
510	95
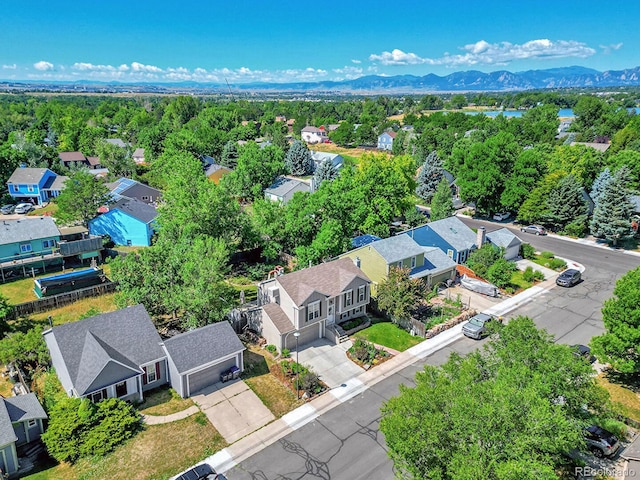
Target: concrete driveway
329	361
233	409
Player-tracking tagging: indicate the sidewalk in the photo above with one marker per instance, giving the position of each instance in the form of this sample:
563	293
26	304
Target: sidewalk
159	419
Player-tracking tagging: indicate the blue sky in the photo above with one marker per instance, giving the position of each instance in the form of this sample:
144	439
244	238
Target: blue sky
266	40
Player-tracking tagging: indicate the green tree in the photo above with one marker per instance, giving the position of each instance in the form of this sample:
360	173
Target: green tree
566	203
298	159
27	349
229	157
325	171
116	159
536	207
494	414
500	272
612	213
5	312
83	194
399	294
257	169
528	168
330	241
344	135
483	258
620	344
599	185
458	101
429	177
442	202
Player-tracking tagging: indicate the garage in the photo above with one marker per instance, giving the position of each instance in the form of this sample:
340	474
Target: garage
307	335
198	357
504	238
207	376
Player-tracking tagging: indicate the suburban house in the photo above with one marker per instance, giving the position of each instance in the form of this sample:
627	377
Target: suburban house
121	355
35	185
385	140
118	142
362	240
450	235
127	188
314	134
138	156
504	238
21	422
283	189
215	172
70	159
310	301
112	355
319	157
128	222
198	357
377	258
601	147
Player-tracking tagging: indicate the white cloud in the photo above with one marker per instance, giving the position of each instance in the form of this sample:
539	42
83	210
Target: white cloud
396	57
348	72
140	67
607	49
9	67
43	66
357	62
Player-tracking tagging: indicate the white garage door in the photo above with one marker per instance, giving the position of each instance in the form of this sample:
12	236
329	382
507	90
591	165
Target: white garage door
307	335
208	376
512	252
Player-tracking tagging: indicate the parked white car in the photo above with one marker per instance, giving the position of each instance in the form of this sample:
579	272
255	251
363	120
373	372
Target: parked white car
501	216
23	208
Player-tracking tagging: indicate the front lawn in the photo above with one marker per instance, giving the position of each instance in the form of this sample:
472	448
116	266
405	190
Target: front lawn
518	283
159	451
163	401
626	400
49	210
389	335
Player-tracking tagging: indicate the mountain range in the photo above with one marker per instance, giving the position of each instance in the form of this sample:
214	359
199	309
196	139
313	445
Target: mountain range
502	80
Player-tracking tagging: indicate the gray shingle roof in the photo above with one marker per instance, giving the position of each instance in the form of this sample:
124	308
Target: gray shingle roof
138	152
137	209
58	183
24	230
503	237
329	278
203	346
283	185
17	409
27	175
437	260
278	317
7	434
98	349
394	249
454	232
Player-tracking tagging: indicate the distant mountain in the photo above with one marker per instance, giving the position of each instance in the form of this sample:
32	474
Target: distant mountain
502	80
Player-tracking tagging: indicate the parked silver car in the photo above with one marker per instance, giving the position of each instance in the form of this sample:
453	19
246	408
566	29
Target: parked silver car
535	229
476	327
23	208
569	278
601	442
7	209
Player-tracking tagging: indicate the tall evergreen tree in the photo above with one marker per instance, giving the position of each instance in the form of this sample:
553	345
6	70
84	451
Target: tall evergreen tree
298	159
325	171
430	176
599	185
612	214
442	203
229	157
566	203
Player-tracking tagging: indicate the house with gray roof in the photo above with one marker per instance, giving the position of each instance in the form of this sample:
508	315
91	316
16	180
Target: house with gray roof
198	357
33	185
21	422
138	156
27	237
127	188
319	157
450	235
506	239
128	222
111	355
376	259
310	301
283	189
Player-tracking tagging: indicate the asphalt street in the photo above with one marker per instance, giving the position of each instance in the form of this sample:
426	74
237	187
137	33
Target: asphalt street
345	443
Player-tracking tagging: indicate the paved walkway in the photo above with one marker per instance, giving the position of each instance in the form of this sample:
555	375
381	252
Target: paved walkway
158	419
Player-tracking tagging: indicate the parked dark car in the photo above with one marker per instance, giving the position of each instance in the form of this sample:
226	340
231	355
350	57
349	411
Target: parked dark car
584	352
568	278
7	209
535	229
199	472
601	442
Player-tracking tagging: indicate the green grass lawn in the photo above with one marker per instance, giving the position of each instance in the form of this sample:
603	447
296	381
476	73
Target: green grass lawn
389	335
518	281
51	209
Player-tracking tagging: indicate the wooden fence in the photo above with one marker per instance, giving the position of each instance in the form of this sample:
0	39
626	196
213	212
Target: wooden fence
60	300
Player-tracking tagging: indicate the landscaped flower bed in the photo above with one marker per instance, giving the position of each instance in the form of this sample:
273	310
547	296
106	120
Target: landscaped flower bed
366	355
289	372
355	325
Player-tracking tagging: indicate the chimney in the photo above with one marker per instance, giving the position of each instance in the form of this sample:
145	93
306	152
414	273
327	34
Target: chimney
357	261
480	239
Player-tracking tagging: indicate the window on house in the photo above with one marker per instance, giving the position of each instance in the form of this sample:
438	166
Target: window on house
98	396
32	423
145	198
15	188
48	243
25	247
399	265
151	373
313	311
30	188
413	262
121	389
348	298
450	253
128	243
362	293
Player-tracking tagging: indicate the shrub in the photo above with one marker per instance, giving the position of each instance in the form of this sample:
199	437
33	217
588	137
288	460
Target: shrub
353	323
576	229
480	260
500	272
538	275
271	349
286	353
528	274
616	427
48	389
528	251
310	382
363	351
556	264
547	255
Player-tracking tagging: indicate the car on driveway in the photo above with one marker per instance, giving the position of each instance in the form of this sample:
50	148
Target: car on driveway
583	351
199	472
501	216
23	208
535	229
7	209
476	327
569	278
601	442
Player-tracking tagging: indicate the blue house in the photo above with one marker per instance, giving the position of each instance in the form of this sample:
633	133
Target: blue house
34	184
450	235
27	237
385	140
128	222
